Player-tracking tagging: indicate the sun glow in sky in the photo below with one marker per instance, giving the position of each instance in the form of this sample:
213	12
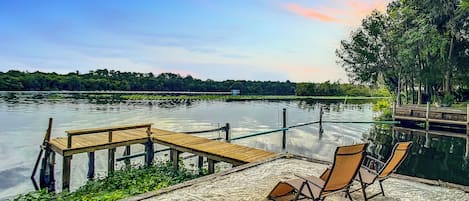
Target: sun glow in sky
222	39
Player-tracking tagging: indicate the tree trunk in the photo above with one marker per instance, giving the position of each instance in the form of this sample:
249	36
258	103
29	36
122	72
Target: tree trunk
413	90
406	92
419	93
398	99
448	76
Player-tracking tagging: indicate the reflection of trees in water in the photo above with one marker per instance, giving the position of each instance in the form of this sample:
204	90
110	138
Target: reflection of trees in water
329	105
431	157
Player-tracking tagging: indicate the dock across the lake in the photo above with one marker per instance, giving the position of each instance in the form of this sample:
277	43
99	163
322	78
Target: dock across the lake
441	116
91	140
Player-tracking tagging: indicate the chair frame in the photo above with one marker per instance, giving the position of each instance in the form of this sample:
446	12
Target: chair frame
378	170
306	183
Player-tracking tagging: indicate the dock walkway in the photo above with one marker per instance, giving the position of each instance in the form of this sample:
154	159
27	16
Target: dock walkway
91	140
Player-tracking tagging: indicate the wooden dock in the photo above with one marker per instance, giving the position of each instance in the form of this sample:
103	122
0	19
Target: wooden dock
91	140
432	115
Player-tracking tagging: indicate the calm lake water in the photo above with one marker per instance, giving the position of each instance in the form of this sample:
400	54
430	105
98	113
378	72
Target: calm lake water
24	121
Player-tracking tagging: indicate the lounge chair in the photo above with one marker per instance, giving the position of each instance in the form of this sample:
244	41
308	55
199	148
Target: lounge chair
374	169
338	178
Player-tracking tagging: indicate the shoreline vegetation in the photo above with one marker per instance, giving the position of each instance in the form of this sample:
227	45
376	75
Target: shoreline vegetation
121	184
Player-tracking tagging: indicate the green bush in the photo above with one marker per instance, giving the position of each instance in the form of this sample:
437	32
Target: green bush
120	184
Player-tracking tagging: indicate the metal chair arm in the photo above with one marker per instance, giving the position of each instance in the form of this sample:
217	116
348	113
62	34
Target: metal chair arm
306	179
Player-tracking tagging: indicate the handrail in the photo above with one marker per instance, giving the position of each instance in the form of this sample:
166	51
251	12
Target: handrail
107	129
259	133
206	131
102	130
309	123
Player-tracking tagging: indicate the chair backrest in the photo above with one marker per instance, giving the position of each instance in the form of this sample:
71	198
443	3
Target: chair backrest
346	164
399	153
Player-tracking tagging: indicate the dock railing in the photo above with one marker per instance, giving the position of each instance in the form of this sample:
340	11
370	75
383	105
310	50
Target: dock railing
321	121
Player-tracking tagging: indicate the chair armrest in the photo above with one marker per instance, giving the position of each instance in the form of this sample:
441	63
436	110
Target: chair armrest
370	170
306	179
374	159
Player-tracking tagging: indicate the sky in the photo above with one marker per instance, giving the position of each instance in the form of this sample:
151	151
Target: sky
220	39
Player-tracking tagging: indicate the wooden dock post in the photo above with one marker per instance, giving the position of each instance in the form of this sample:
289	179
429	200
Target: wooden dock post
66	163
46	178
227	133
427	116
149	148
393	111
91	157
200	165
127	152
175	158
284	126
211	166
467	119
111	156
111	160
321	112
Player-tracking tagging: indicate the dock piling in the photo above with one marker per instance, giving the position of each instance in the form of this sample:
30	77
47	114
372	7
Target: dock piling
211	166
66	163
467	119
227	133
427	116
90	174
127	152
175	158
111	160
321	112
284	126
200	165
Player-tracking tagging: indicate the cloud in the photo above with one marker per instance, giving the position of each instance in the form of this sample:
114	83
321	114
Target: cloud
348	12
309	13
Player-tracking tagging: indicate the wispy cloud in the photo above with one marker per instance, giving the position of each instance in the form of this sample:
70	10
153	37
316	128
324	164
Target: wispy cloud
309	13
348	12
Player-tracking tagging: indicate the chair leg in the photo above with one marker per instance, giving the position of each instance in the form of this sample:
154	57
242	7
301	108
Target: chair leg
299	192
364	191
381	185
348	195
363	185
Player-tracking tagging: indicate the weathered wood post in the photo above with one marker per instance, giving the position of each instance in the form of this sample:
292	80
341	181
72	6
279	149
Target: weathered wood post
321	112
466	154
46	178
427	116
227	133
111	155
393	111
127	152
200	165
211	166
90	174
467	120
284	126
66	163
149	148
175	158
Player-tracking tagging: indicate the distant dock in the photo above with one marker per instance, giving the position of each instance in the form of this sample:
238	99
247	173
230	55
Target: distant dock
441	116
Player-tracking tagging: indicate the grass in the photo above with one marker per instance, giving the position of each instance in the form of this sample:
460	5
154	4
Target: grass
120	184
242	97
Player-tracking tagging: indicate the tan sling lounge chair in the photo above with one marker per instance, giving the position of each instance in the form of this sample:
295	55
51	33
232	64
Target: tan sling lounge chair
373	169
338	178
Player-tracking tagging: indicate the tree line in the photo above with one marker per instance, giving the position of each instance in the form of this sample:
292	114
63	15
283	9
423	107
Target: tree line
104	79
419	49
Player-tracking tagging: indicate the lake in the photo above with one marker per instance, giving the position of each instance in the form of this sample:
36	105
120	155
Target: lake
24	122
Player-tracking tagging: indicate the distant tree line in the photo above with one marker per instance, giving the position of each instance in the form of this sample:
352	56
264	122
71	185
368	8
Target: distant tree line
419	49
103	79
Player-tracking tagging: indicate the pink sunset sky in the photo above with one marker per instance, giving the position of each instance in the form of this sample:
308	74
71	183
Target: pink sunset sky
245	39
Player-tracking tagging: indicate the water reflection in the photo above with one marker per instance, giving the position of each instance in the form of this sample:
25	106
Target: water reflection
437	155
